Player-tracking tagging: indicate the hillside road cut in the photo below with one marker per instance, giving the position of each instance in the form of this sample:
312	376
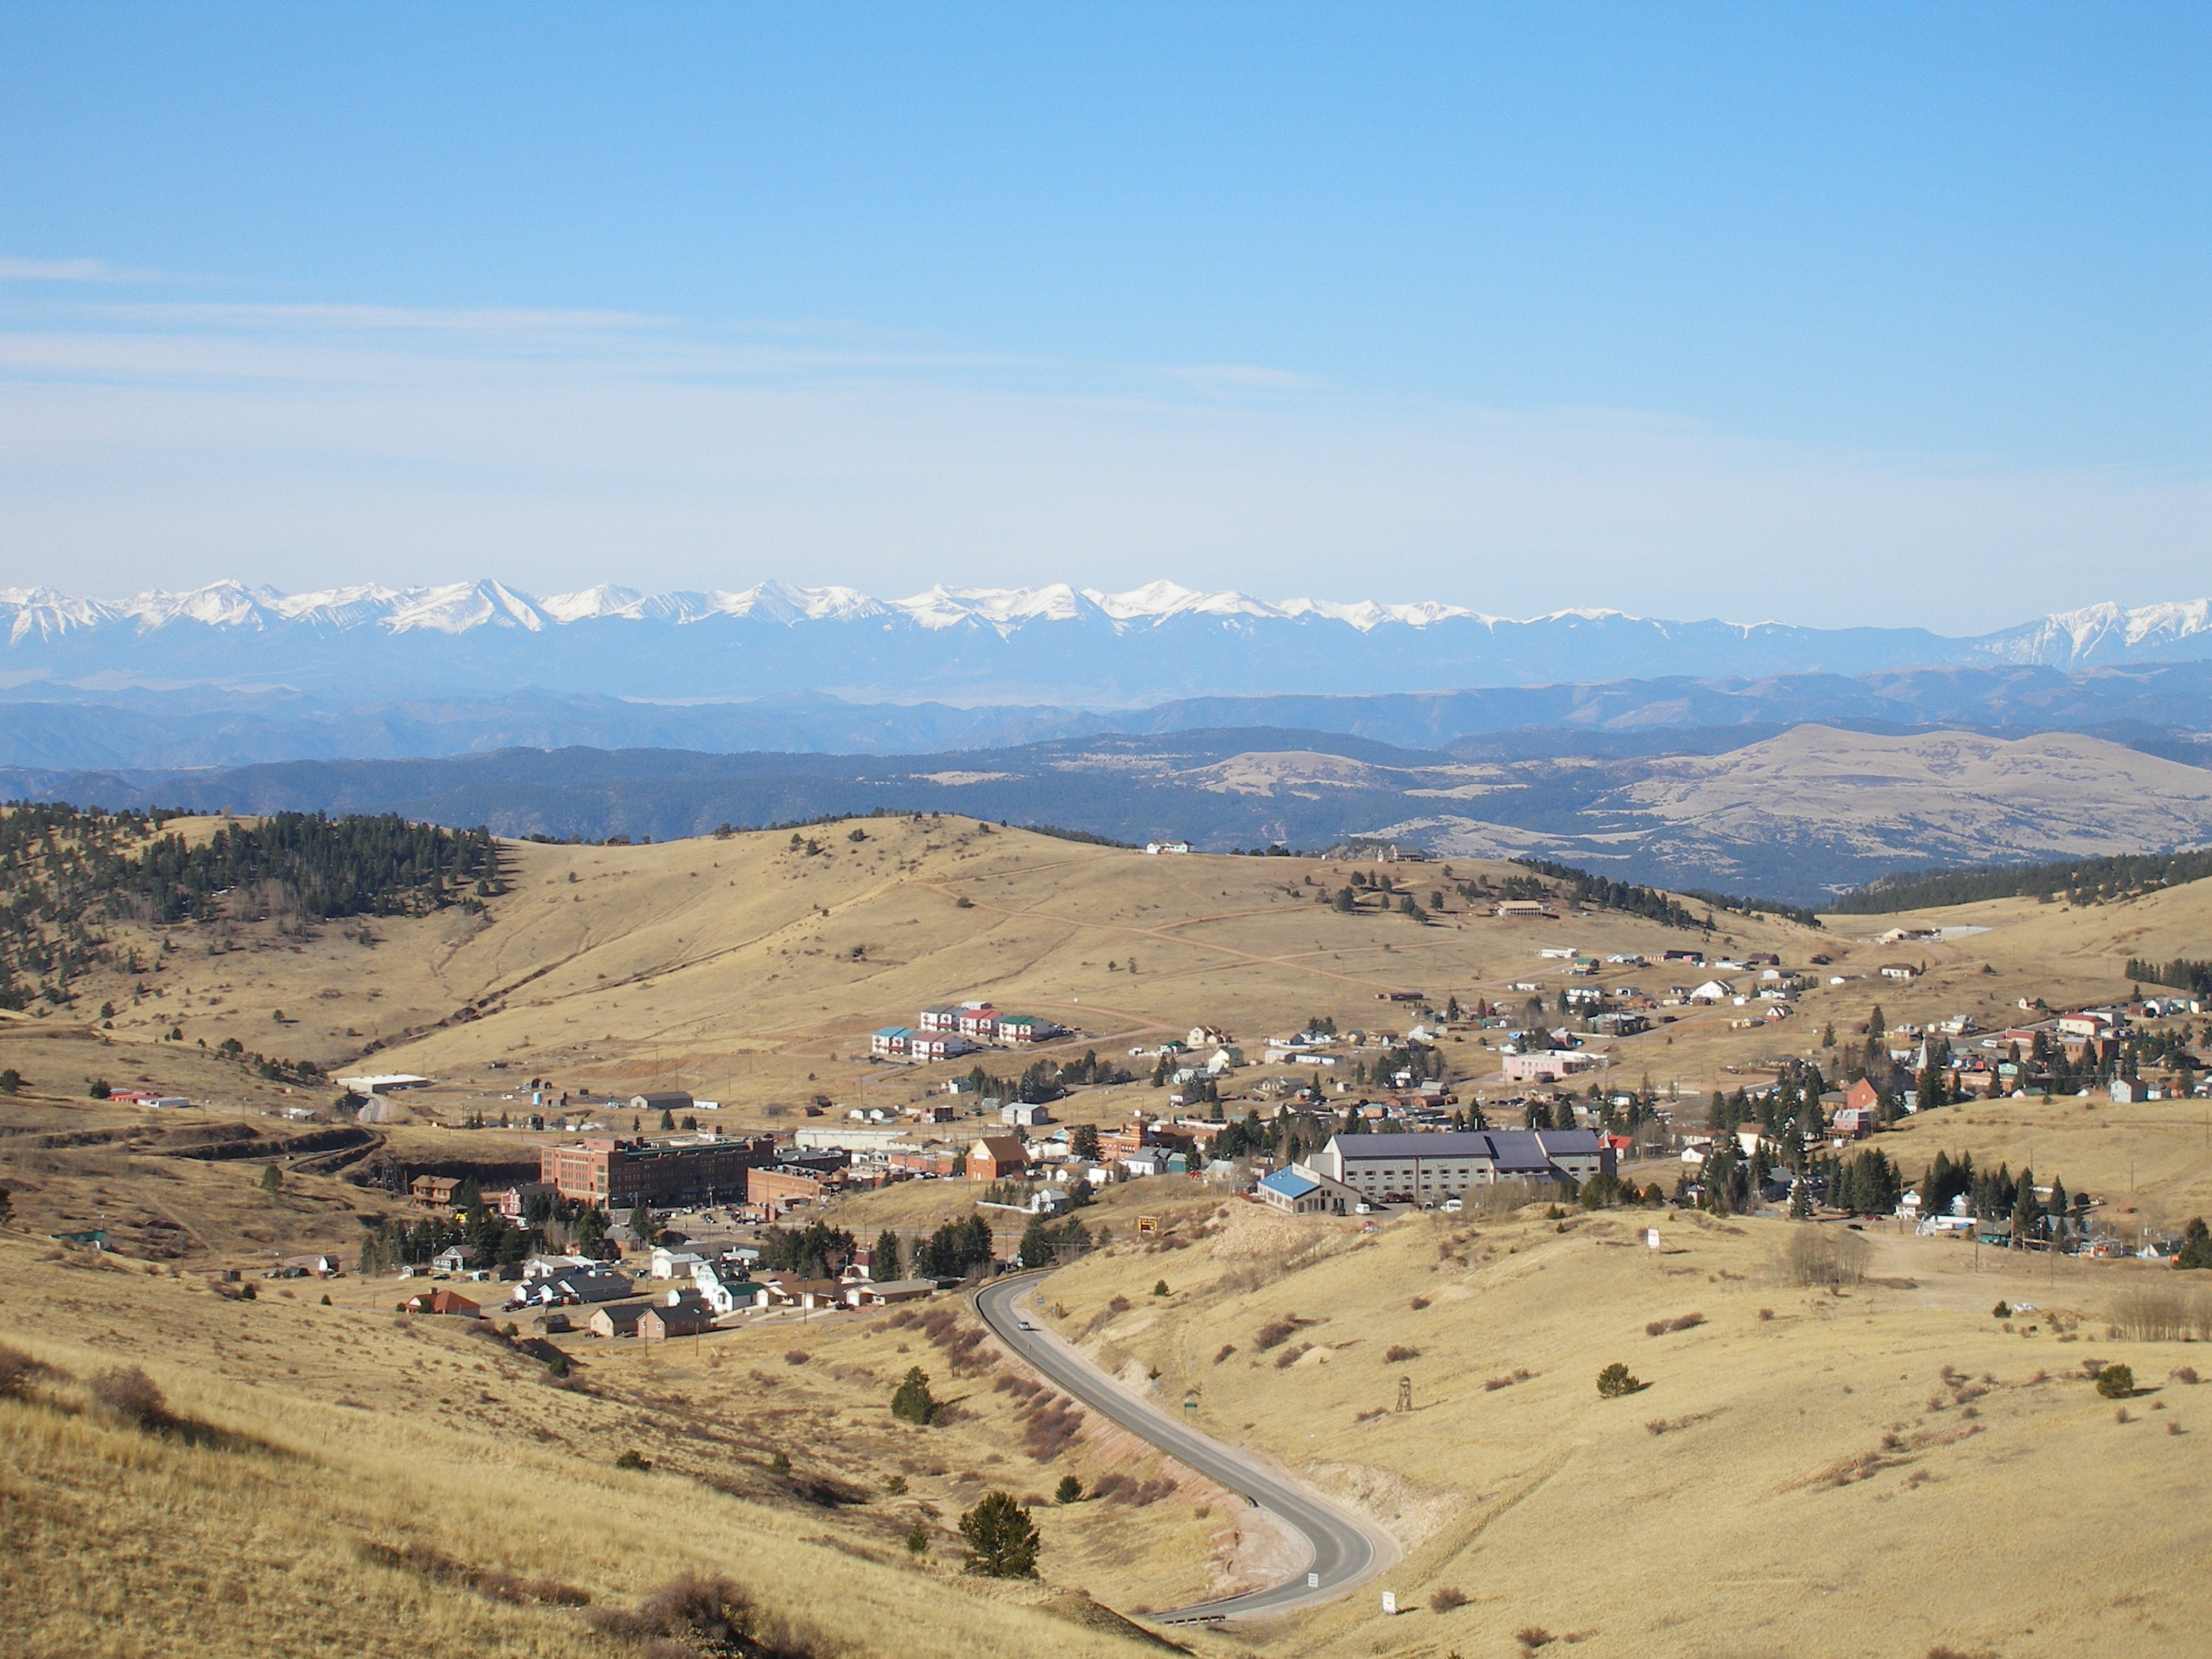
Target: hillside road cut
1343	1550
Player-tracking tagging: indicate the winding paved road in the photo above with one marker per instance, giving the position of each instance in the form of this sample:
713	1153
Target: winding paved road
1343	1551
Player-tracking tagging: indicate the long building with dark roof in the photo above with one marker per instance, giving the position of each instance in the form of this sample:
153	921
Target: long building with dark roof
1419	1169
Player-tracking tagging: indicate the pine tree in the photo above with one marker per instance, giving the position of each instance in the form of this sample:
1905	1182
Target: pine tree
2026	1213
885	1266
912	1402
1002	1539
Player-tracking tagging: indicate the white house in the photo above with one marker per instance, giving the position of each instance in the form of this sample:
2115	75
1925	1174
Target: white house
675	1264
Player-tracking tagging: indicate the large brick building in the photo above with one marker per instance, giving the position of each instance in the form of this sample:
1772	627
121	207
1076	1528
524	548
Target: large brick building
619	1174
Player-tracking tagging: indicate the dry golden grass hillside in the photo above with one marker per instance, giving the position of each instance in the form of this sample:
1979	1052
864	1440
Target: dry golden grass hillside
315	1447
1861	1471
748	970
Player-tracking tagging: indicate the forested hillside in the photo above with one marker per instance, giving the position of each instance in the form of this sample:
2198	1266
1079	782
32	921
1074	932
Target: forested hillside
2076	880
68	873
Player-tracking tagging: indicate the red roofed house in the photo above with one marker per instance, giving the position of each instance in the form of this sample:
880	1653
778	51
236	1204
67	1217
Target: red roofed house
443	1302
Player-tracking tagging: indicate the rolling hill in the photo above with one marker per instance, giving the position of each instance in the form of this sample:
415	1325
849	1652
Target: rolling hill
1799	815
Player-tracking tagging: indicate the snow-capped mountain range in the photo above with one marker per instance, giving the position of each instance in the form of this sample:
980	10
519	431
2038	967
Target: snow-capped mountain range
1055	643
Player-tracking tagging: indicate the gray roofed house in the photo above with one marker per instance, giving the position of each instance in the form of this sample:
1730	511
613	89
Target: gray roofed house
1430	1168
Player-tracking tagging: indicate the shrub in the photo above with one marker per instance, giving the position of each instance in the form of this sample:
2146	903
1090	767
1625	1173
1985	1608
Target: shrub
1227	1348
2002	1310
1069	1490
1002	1540
780	1464
1291	1355
557	1366
917	1540
2116	1382
2186	1374
1274	1334
1532	1636
1418	1304
698	1612
1615	1381
632	1460
100	1091
796	1356
18	1370
133	1396
1445	1600
1399	1356
1765	1316
1161	1288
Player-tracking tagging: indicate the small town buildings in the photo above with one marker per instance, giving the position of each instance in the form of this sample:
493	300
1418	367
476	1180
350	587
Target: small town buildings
1300	1190
682	1174
431	1192
892	1042
1427	1168
444	1302
620	1320
673	1100
383	1083
551	1281
1020	1113
1899	970
979	1022
868	1294
940	1016
1015	1030
1549	1065
453	1259
513	1202
782	1185
1158	848
994	1157
682	1313
675	1264
1525	910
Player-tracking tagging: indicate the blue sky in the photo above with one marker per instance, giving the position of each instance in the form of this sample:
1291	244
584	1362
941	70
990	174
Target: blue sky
1821	314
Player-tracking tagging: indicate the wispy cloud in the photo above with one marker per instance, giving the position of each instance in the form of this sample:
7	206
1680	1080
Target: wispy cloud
384	319
15	268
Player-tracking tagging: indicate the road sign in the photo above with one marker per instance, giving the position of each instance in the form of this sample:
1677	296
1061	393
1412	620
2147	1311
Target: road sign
1651	1237
1313	1581
1389	1604
1147	1226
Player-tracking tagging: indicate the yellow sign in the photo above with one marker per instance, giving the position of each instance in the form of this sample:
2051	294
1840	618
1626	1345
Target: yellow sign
1147	1225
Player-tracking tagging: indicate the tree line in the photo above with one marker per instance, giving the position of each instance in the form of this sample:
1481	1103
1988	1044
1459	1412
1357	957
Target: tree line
2182	973
2080	880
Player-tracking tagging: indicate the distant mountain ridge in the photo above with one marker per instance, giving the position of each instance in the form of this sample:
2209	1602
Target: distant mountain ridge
1800	814
2159	708
1052	644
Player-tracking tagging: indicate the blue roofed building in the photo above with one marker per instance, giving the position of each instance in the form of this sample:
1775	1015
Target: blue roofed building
1301	1191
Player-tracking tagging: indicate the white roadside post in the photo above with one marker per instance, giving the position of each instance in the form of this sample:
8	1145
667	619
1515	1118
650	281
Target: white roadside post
1389	1604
